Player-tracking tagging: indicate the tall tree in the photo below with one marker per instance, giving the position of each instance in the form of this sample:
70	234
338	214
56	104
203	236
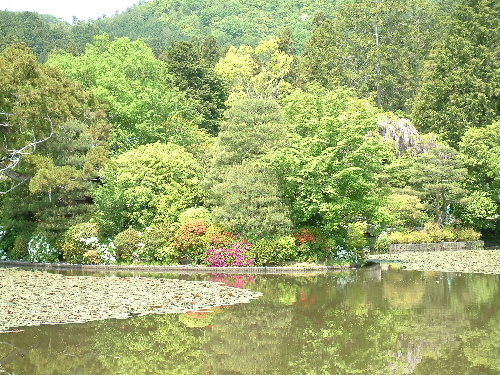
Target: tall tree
437	177
197	79
374	47
53	144
460	80
330	171
143	102
242	186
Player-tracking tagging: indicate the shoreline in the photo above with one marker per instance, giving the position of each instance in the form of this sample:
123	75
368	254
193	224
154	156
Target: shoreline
182	269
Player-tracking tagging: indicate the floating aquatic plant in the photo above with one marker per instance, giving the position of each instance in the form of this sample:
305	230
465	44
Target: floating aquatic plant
31	298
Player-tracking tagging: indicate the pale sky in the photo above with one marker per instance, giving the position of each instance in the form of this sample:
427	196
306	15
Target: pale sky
66	9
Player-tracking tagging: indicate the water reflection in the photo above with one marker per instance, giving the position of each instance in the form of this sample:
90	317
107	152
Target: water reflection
368	321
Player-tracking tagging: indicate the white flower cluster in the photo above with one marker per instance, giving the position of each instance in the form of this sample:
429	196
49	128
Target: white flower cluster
3	253
106	251
345	256
41	251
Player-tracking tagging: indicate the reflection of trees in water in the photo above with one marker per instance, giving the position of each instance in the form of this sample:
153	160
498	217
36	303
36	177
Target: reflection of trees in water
248	340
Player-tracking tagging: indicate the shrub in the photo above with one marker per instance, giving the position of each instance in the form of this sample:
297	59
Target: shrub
235	255
275	250
312	245
78	240
356	240
128	244
190	240
195	213
159	243
435	233
20	248
467	234
382	242
167	255
41	251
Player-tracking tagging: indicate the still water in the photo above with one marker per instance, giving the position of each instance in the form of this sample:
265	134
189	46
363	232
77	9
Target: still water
377	320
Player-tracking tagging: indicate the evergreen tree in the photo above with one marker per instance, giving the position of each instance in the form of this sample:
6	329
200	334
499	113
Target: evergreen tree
374	47
197	79
460	81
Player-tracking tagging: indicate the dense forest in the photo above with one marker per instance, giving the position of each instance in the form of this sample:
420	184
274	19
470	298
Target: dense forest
249	133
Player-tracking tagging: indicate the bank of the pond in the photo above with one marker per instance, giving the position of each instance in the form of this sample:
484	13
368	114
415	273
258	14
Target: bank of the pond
291	268
466	261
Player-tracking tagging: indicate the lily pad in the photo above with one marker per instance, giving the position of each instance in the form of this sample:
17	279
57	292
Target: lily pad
466	261
31	298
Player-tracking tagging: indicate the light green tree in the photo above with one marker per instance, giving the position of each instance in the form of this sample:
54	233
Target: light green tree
142	101
147	185
330	171
256	73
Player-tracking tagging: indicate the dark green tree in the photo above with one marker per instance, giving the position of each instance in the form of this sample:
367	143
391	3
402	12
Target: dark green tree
374	47
460	80
242	187
194	76
53	145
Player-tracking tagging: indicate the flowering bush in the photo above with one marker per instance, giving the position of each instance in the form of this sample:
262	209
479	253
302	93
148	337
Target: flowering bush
130	245
190	240
311	245
343	256
41	251
78	241
234	255
194	238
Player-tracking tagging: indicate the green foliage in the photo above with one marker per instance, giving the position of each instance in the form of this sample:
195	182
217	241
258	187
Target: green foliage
243	193
78	244
403	210
136	87
356	240
273	250
330	171
256	73
20	249
127	244
54	144
436	176
247	201
480	154
195	213
147	185
459	86
158	243
197	79
435	233
375	48
382	243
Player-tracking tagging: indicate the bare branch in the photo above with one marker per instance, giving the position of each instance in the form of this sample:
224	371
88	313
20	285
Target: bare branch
14	157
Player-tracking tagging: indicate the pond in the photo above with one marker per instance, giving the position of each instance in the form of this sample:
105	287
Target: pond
375	320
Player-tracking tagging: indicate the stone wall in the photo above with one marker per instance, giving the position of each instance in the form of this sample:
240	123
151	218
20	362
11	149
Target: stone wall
441	246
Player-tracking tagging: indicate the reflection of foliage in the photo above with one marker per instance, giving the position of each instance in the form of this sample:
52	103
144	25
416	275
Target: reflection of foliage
163	345
258	350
